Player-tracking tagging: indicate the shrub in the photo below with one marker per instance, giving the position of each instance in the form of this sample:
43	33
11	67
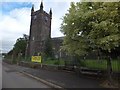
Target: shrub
56	63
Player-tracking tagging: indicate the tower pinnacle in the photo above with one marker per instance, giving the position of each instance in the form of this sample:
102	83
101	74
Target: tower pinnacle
32	9
41	5
50	12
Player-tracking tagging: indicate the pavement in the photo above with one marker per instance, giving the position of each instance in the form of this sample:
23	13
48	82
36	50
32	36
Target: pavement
14	79
58	79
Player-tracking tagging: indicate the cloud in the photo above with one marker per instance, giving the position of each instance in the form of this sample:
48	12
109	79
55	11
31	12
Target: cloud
13	26
58	11
7	45
17	22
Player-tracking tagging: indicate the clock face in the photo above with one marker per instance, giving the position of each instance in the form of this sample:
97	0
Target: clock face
35	17
46	19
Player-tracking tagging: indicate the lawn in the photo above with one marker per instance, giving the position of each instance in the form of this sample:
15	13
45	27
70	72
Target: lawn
93	64
102	64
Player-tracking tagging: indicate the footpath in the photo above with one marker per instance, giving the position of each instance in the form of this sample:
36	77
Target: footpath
58	78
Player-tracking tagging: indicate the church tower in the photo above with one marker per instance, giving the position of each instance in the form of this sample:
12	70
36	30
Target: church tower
40	31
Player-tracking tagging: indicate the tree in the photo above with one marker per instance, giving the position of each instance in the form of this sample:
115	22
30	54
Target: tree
105	33
92	26
10	52
20	45
75	29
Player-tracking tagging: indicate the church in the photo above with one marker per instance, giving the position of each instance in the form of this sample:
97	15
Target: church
40	32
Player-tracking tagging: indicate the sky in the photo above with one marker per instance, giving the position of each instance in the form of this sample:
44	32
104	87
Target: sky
15	18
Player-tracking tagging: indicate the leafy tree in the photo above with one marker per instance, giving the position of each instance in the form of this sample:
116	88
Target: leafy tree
10	52
92	26
20	45
105	33
76	28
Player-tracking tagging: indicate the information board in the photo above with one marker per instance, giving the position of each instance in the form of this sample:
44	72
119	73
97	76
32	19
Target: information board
36	59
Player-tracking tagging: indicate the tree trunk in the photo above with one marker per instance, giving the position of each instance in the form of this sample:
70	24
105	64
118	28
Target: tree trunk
109	69
98	54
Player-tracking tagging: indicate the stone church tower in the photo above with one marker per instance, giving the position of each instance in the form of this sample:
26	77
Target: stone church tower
40	31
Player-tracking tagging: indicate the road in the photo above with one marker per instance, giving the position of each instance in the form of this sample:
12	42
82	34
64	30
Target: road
60	78
14	79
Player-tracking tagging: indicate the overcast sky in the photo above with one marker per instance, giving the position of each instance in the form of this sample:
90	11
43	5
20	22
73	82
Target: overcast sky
15	19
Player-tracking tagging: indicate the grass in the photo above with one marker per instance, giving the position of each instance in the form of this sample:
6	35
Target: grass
93	64
102	64
116	65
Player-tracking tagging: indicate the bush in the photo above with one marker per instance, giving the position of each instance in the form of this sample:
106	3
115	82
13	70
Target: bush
56	63
49	58
82	63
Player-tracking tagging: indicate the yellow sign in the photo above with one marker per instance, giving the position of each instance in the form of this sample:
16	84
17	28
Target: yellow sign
36	59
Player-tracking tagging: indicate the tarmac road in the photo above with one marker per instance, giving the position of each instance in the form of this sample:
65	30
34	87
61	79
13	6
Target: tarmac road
14	79
60	78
